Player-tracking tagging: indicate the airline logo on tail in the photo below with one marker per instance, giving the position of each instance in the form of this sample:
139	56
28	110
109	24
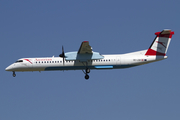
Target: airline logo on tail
160	44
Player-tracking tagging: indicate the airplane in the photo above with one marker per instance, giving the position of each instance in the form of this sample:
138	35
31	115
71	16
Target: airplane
85	59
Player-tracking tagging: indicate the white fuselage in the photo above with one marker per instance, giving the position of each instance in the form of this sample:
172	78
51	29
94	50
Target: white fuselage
85	59
115	61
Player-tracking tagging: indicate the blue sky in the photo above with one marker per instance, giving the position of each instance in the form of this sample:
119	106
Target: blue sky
40	28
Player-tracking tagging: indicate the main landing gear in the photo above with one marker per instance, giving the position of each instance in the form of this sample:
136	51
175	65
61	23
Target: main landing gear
87	70
86	73
14	74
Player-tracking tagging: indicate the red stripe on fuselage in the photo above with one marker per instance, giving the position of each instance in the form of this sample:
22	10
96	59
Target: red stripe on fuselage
28	60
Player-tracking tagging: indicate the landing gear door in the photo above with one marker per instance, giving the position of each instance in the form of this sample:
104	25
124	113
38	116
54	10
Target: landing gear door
118	60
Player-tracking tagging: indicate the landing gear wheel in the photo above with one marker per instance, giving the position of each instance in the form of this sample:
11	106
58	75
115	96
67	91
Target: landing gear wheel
14	74
86	77
87	70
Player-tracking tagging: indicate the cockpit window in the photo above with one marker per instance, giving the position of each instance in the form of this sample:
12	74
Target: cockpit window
19	61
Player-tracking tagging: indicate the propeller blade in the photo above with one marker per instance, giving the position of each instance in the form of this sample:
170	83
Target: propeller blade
63	60
63	51
62	54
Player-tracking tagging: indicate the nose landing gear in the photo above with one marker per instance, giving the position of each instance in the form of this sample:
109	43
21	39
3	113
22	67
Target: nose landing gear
14	74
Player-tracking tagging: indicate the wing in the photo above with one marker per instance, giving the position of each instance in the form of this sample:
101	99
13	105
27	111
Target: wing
85	53
85	48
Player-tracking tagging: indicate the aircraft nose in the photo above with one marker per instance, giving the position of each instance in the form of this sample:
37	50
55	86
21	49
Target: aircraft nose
9	68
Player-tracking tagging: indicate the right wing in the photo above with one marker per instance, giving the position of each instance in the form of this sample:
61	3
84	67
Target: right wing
85	48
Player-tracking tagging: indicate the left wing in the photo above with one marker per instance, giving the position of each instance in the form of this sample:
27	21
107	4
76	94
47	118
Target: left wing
85	48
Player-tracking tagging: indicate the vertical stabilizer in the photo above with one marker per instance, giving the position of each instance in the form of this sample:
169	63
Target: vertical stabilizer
161	43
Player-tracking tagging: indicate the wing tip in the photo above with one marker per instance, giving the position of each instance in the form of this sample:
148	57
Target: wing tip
85	41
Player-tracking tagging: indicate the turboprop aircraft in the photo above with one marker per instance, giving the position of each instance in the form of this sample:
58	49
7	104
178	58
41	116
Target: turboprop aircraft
85	59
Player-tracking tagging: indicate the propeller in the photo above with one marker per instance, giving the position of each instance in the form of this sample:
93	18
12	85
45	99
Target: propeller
62	54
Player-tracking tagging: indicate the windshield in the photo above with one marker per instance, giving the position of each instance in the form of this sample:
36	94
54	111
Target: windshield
19	61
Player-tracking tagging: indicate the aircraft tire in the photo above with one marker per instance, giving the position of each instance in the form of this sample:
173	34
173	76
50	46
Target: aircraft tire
86	77
14	75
